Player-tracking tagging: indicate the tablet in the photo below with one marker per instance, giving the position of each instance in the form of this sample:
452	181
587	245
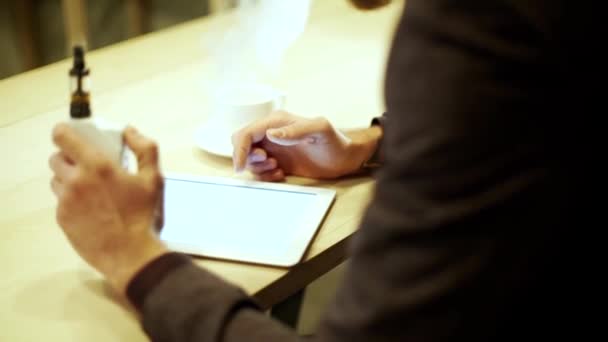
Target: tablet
242	220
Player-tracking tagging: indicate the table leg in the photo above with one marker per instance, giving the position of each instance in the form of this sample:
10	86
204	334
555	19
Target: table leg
75	23
288	311
26	31
136	14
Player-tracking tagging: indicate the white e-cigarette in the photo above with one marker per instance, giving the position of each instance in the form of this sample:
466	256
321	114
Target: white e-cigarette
104	135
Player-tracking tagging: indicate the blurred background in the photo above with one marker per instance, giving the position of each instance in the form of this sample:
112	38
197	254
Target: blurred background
34	33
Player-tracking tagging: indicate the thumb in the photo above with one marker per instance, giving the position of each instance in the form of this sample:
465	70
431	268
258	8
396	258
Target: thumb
144	148
297	132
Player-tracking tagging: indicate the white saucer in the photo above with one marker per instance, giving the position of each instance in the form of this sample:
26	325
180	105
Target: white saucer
215	140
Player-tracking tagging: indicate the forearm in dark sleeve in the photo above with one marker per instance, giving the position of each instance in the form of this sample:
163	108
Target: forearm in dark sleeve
180	301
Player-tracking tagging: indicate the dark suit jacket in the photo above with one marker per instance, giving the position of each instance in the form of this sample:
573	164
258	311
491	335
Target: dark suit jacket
471	232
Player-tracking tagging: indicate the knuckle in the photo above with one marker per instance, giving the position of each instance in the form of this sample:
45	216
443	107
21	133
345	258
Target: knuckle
156	181
288	131
75	186
151	148
323	123
59	133
243	150
104	168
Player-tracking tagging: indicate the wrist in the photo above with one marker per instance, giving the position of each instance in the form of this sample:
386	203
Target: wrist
363	145
373	156
134	259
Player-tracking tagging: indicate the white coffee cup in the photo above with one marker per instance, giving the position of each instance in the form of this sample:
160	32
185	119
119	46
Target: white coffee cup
234	108
243	104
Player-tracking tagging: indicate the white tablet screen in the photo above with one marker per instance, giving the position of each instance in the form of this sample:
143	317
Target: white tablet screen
228	220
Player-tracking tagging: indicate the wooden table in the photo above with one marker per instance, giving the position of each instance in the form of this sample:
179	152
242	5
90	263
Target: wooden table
156	82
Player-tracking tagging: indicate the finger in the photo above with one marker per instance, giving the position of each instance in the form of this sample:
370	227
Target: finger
275	175
145	149
298	132
57	187
61	166
72	144
257	155
261	167
253	133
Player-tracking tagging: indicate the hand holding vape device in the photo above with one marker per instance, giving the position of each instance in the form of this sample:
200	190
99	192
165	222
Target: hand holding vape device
104	135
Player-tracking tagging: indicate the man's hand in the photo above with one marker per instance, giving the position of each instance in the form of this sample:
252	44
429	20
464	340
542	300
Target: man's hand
284	144
108	214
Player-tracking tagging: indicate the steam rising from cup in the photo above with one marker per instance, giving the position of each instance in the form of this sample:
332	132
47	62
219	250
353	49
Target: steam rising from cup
252	50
